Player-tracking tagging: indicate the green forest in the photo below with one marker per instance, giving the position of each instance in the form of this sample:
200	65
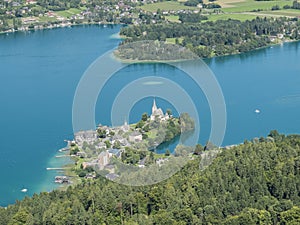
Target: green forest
222	37
257	182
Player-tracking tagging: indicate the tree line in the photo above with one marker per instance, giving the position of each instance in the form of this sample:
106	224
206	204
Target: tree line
257	182
208	39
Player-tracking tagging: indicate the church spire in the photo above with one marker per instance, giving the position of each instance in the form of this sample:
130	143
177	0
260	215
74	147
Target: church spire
154	107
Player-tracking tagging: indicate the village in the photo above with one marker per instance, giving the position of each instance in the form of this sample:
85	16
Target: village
97	150
30	15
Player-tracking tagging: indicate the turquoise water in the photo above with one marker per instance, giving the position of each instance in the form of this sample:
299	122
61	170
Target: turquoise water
40	71
39	74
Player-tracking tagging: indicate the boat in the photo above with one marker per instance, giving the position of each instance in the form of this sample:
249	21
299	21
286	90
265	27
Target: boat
257	111
24	190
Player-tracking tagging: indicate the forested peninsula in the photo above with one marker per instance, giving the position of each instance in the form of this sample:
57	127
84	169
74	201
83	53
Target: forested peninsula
256	182
222	37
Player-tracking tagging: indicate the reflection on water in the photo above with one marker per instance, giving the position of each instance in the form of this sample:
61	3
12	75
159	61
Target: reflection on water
184	139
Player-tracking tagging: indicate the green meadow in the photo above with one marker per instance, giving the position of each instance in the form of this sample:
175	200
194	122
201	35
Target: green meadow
283	12
250	5
172	18
68	13
231	9
168	5
235	16
173	40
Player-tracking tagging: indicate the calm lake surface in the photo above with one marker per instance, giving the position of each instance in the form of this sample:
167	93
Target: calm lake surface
40	71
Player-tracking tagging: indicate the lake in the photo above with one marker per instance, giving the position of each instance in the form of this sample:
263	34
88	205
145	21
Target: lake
40	71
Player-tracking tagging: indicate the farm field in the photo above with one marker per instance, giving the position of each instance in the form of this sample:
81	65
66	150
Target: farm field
250	5
231	9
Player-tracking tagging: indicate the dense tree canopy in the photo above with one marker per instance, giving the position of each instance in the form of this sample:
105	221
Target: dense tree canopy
222	37
257	182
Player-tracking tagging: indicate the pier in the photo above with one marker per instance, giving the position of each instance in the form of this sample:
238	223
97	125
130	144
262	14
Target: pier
49	168
61	156
64	149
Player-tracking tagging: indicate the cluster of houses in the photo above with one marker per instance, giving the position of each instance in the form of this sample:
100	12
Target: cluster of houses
111	145
62	180
123	9
111	141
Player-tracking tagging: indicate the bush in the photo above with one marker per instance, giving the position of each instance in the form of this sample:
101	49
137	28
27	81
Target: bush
275	7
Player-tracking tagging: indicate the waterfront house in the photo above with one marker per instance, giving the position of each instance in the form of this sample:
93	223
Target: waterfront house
81	154
62	179
89	136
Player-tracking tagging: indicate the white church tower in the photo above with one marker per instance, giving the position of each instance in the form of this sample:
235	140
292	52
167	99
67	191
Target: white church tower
154	107
157	112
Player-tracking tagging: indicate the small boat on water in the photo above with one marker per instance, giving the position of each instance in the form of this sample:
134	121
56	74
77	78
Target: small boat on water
24	190
257	111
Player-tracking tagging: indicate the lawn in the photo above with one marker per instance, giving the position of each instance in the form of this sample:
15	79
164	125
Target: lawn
69	12
235	16
172	18
151	134
47	19
169	5
172	40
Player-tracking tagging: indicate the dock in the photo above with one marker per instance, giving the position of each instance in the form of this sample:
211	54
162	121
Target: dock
64	149
49	168
61	156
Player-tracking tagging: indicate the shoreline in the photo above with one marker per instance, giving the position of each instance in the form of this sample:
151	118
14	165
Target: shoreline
218	56
131	61
122	37
119	59
70	25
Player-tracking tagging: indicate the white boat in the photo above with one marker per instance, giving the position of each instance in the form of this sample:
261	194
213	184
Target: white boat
24	190
257	111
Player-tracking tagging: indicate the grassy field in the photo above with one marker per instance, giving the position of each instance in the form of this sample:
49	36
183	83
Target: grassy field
235	16
165	6
47	19
249	5
172	18
172	40
68	13
283	12
232	9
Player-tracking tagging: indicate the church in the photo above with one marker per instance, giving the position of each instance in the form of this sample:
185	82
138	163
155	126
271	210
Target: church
158	113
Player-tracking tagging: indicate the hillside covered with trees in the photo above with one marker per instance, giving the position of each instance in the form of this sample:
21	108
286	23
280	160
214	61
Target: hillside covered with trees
257	182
